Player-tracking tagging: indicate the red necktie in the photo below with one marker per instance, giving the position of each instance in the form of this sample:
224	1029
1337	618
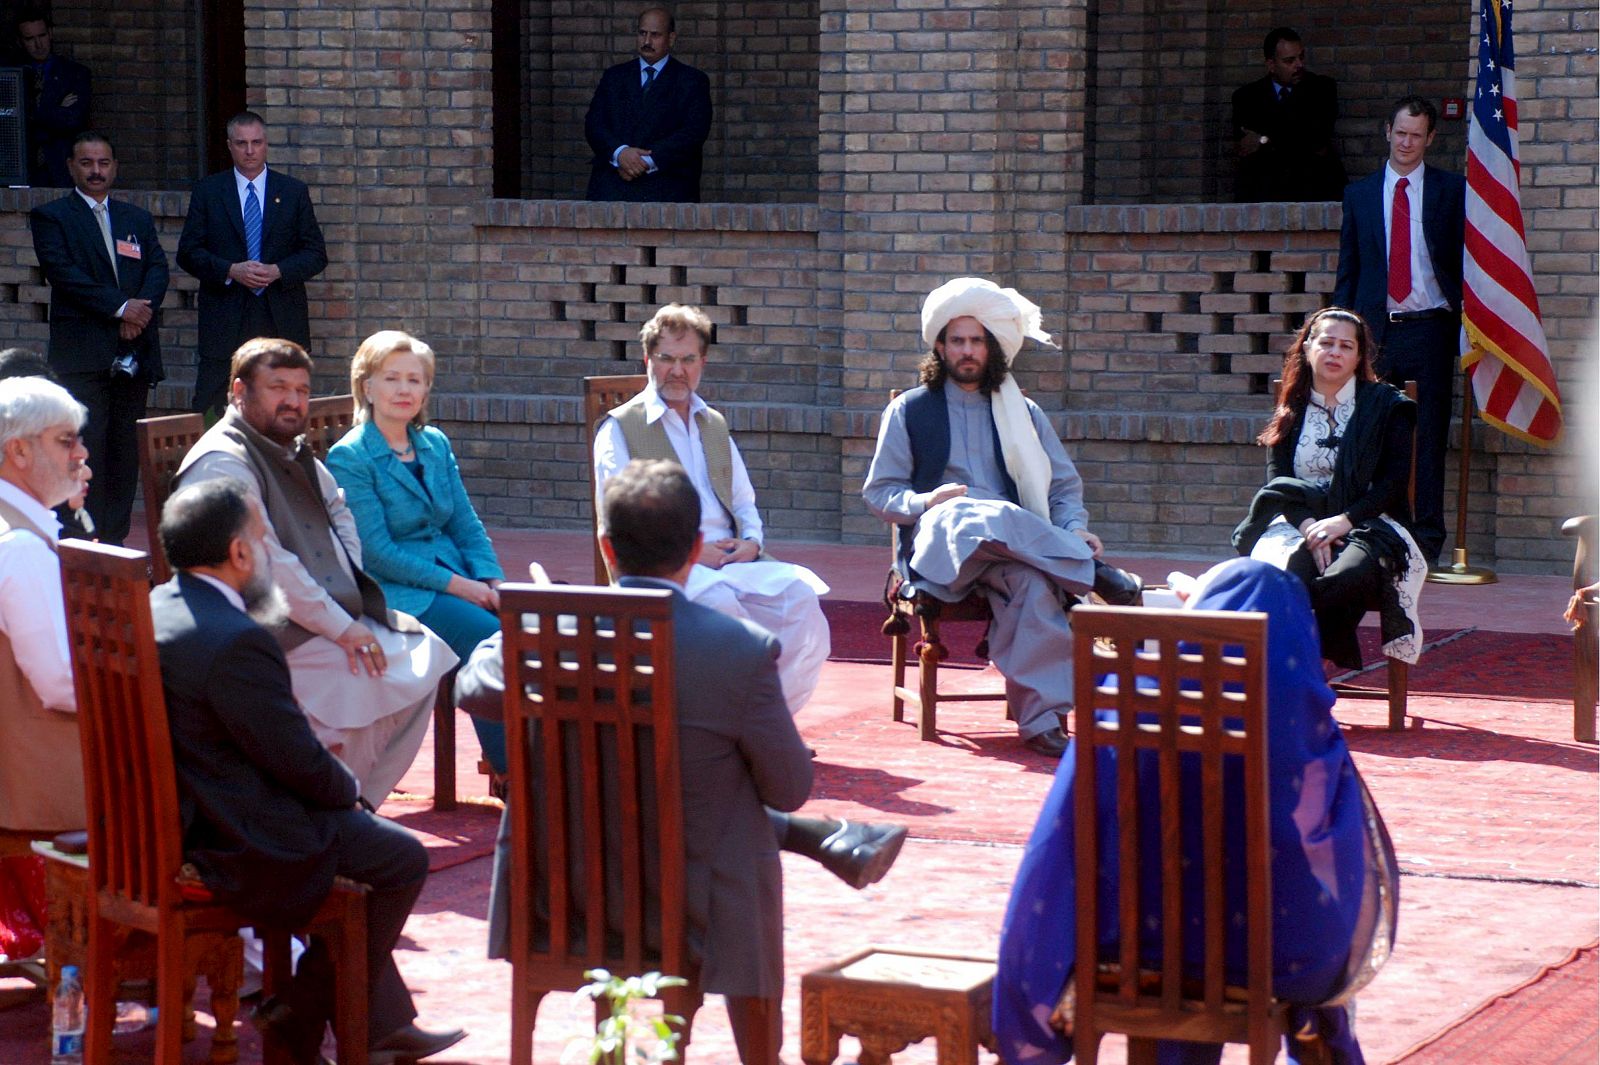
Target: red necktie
1400	244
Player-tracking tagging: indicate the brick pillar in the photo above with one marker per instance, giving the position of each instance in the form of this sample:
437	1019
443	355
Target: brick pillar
383	108
949	144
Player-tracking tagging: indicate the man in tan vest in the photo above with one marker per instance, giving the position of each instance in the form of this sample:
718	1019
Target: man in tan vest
365	676
41	769
669	420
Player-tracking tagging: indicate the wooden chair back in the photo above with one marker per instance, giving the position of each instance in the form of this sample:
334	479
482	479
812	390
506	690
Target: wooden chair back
327	419
163	442
601	395
1206	701
135	837
597	850
1586	627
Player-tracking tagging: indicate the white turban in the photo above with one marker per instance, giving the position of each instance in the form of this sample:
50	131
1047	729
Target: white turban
1009	316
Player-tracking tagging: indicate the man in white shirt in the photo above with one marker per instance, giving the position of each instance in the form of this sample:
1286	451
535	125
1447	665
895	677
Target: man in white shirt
252	241
669	420
41	453
1405	282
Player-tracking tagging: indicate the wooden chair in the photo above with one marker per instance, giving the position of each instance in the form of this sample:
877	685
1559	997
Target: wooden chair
1586	633
601	395
1222	715
1398	690
926	612
135	837
163	442
597	862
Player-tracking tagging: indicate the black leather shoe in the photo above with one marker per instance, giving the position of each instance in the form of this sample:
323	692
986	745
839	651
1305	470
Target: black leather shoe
1116	586
860	853
279	1024
1051	744
408	1044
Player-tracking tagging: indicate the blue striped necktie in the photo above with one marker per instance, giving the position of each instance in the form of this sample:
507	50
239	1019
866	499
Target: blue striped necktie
252	227
649	80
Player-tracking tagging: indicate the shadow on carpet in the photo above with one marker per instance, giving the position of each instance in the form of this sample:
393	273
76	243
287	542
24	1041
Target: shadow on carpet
452	838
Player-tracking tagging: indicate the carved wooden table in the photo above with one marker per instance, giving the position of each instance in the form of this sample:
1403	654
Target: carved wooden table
890	999
219	957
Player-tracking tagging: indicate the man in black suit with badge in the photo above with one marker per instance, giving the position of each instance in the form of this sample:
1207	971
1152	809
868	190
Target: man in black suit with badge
648	122
269	816
252	241
108	276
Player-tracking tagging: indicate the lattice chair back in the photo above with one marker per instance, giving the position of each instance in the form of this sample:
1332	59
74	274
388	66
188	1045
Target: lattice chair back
163	442
1172	683
597	855
601	395
327	419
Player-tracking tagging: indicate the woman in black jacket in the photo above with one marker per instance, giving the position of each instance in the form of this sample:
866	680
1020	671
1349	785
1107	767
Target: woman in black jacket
1334	510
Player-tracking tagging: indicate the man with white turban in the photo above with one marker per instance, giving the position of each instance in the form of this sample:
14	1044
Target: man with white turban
987	499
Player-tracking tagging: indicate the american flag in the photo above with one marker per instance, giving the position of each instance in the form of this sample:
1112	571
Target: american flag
1504	351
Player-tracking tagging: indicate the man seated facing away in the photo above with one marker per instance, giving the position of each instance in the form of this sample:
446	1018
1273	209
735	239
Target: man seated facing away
41	767
987	499
669	420
743	760
365	676
269	816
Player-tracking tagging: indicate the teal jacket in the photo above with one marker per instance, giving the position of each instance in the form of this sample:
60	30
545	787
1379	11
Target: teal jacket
411	540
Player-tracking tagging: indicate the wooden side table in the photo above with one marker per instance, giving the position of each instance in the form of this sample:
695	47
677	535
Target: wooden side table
218	956
890	998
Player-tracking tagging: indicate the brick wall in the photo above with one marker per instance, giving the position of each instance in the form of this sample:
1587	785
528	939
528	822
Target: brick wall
951	141
761	57
1164	74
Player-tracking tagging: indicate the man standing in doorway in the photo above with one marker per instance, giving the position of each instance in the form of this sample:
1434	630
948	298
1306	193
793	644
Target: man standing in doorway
252	241
648	122
1400	269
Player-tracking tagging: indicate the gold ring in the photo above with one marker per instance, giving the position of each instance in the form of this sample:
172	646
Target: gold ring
371	648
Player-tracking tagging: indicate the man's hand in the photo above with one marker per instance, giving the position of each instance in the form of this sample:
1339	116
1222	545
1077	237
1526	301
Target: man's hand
362	648
478	593
1249	142
252	274
631	163
946	492
69	99
735	551
128	331
1092	540
138	313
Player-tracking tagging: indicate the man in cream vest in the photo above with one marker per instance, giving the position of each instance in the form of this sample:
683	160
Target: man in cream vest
734	574
41	768
365	676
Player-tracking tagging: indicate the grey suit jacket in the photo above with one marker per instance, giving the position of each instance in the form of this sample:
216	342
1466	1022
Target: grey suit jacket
741	754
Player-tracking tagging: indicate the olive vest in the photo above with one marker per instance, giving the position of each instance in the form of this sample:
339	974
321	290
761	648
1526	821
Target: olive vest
41	761
288	481
648	440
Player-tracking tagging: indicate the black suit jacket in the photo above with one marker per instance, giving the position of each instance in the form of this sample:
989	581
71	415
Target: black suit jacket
52	124
672	120
1362	283
85	291
1299	162
257	792
213	240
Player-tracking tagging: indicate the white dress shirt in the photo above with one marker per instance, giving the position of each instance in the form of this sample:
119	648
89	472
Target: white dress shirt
611	454
33	615
1425	291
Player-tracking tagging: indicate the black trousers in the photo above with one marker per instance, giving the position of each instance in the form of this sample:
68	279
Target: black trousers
116	403
211	379
390	860
1426	351
1340	595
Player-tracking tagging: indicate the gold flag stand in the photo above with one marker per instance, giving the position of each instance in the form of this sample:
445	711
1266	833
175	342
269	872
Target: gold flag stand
1460	571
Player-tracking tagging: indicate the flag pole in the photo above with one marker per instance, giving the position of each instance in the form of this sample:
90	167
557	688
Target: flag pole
1460	571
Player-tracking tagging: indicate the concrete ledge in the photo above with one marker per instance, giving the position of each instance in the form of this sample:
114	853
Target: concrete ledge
1203	217
585	214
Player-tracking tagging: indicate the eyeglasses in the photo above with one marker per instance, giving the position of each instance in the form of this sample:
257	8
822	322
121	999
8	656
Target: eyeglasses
669	361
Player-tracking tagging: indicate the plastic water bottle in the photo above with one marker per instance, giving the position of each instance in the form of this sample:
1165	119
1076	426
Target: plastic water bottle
66	1030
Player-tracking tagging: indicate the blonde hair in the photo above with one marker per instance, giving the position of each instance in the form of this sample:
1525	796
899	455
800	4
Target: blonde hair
369	359
676	318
